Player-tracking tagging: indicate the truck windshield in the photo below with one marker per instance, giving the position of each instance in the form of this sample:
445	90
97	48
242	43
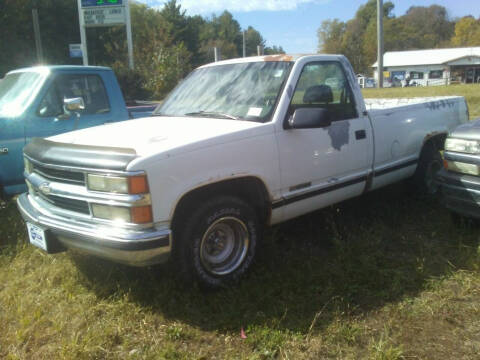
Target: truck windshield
17	90
245	91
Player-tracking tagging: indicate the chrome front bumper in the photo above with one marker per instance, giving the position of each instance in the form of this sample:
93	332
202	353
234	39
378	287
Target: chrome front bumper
140	247
460	192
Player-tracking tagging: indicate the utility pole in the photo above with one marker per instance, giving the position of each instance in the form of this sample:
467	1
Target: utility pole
244	45
83	33
216	53
38	39
380	42
129	36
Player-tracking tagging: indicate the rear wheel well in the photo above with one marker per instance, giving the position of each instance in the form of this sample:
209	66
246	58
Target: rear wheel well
250	189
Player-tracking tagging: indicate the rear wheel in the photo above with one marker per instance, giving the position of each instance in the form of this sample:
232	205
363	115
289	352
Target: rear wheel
218	243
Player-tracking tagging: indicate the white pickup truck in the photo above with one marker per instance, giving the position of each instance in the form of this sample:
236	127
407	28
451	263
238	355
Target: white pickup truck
239	144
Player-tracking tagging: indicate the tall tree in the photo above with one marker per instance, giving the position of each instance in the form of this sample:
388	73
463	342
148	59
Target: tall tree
17	43
467	32
222	32
274	50
354	36
419	28
330	36
432	27
253	38
167	42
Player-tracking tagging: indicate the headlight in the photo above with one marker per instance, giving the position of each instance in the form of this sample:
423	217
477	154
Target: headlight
461	145
464	168
28	165
108	183
115	213
118	184
136	215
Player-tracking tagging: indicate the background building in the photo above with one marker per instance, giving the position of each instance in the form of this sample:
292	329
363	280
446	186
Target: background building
431	67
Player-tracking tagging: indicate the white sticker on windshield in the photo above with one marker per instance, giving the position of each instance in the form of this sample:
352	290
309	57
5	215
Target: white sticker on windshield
278	73
254	111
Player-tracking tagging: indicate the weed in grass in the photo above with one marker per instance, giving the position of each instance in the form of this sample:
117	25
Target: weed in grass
383	350
176	332
12	231
172	353
267	342
344	332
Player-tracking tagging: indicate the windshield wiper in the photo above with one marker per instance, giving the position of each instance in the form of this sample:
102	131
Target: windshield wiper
212	113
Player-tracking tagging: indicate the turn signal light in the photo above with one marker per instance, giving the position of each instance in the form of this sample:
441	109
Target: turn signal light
141	214
137	184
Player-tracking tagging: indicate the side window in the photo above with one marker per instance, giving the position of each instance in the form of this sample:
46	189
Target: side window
51	104
324	85
435	74
415	75
88	87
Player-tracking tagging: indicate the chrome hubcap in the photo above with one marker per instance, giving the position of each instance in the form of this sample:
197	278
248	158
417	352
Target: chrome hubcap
224	246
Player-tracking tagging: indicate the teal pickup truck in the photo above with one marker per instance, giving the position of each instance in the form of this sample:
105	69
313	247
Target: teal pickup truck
48	100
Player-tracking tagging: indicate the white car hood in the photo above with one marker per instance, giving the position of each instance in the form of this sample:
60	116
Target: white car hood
159	134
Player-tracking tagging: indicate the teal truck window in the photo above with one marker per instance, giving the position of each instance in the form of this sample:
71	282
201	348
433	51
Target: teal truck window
88	87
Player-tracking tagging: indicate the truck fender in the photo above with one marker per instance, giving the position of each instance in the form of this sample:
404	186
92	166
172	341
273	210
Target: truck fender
249	188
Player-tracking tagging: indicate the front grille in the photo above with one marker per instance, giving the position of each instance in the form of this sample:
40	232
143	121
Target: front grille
66	203
65	176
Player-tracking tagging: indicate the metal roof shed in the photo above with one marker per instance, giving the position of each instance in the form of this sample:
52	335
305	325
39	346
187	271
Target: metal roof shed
433	66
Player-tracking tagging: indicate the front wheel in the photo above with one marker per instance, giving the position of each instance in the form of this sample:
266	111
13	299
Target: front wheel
429	165
218	243
463	221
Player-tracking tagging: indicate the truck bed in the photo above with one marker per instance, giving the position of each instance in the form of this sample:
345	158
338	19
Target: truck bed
403	123
382	104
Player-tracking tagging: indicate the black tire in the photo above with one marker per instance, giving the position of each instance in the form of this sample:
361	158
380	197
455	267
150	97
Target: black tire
462	221
218	242
429	164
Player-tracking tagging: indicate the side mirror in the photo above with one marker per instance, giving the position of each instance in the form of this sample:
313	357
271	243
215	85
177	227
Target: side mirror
74	104
308	118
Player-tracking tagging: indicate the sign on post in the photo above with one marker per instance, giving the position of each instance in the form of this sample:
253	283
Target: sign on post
93	13
75	50
103	12
86	3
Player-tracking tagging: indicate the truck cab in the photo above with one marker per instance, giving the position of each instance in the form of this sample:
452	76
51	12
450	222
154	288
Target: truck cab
32	104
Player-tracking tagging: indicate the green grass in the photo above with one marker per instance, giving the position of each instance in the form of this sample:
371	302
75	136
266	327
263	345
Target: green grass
384	276
470	92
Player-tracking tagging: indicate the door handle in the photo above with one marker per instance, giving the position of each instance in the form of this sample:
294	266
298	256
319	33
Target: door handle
360	134
3	151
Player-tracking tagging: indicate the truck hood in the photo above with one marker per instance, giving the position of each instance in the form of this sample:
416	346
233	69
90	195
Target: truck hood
468	131
159	134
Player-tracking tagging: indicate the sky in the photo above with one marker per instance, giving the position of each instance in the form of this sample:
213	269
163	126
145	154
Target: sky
293	24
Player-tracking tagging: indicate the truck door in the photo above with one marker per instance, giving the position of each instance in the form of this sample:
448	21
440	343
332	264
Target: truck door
12	142
51	118
321	166
17	91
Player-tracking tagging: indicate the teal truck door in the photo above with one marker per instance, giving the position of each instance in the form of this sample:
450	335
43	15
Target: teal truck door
18	91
